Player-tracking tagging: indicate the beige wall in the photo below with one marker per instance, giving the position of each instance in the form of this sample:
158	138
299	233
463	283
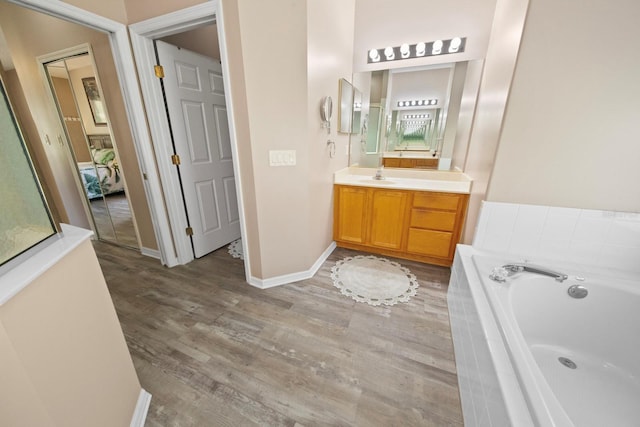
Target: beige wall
203	40
49	35
329	55
276	88
571	134
112	9
288	209
241	118
64	358
490	106
139	10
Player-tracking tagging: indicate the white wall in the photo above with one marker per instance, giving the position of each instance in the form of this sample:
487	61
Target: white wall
571	136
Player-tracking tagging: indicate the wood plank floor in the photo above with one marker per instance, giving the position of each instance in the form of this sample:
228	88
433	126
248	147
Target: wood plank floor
214	351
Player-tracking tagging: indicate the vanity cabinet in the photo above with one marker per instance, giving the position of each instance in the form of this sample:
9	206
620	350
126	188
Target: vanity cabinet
418	225
402	162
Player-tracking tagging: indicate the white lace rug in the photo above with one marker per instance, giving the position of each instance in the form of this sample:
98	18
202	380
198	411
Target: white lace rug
374	280
235	249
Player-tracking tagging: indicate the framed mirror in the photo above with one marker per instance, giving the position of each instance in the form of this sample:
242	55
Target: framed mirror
346	106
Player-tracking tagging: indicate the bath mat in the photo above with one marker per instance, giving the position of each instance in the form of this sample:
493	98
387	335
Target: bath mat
374	280
235	249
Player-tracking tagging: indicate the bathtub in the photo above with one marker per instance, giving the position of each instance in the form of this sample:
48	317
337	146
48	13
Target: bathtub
529	354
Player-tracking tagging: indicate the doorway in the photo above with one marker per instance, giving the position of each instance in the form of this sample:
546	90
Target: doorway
78	97
143	35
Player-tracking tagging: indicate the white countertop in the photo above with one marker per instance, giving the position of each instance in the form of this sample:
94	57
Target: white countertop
406	179
20	276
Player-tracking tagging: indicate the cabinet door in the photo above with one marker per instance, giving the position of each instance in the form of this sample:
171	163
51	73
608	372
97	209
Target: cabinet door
388	218
391	162
350	215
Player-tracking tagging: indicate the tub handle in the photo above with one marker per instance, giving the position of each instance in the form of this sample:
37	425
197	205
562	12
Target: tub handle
536	269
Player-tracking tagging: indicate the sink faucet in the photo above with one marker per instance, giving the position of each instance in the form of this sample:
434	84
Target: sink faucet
511	269
378	174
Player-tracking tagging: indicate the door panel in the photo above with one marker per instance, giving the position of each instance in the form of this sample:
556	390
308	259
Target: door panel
194	92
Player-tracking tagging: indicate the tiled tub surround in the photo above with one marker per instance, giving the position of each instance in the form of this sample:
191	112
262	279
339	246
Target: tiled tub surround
590	237
507	337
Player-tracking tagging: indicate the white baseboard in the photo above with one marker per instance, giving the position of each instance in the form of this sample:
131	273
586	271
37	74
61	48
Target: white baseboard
142	407
153	253
293	277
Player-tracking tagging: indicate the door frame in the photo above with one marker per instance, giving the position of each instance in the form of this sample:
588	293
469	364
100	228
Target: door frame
142	40
126	71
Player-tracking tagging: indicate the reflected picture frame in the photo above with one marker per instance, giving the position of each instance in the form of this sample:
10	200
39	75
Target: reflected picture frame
96	104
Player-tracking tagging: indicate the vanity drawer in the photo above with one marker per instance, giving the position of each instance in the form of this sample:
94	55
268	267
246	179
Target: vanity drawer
442	201
391	163
427	163
435	220
429	242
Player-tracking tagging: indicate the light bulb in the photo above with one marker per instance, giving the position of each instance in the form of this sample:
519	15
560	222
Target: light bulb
421	49
437	47
413	102
373	54
455	44
389	53
404	50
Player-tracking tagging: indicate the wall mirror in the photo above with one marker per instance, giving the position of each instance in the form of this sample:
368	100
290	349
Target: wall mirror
415	112
346	106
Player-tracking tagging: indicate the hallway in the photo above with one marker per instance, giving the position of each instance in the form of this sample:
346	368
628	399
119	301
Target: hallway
213	351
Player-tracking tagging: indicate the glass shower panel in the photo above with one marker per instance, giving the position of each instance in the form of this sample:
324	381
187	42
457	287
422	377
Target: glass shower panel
25	220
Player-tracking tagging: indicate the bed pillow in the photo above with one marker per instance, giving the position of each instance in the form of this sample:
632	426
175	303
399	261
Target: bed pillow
103	156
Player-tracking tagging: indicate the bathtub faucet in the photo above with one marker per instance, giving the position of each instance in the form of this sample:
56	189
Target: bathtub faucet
531	268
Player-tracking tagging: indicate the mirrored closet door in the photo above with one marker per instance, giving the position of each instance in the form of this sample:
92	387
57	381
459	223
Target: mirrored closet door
78	97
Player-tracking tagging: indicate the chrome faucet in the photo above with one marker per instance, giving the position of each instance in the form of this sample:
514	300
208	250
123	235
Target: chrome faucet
378	174
501	273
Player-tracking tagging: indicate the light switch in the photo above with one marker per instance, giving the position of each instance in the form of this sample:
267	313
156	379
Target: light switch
282	157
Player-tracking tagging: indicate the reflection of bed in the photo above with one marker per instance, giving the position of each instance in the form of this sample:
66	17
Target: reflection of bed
103	177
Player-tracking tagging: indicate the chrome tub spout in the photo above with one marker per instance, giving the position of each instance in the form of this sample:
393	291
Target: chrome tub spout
531	268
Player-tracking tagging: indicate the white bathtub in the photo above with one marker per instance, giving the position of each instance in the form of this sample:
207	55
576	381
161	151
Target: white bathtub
508	338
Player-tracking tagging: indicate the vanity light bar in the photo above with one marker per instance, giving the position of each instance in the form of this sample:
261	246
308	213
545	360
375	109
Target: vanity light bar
416	116
418	103
418	50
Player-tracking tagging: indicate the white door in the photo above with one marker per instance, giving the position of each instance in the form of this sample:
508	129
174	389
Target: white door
198	116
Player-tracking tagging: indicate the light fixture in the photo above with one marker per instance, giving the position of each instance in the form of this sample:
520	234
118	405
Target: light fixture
405	50
418	50
436	47
454	45
389	53
418	103
416	116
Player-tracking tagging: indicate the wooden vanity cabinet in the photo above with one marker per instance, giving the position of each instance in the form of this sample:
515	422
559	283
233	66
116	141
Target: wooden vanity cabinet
418	225
407	162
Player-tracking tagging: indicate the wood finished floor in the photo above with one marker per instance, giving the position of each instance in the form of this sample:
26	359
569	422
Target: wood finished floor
214	351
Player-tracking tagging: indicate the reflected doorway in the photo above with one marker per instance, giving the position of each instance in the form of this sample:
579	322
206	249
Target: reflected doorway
78	98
